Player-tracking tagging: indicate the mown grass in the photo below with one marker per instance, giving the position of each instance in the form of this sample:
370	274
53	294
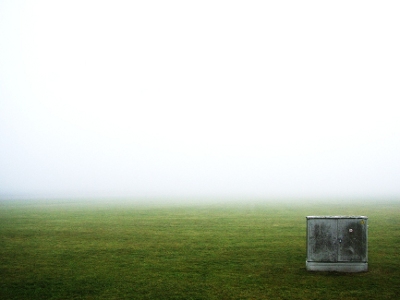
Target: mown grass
59	251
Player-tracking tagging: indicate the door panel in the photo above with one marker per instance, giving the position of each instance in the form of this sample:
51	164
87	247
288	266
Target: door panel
352	240
322	240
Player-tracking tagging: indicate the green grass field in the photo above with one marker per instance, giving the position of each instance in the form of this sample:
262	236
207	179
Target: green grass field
51	250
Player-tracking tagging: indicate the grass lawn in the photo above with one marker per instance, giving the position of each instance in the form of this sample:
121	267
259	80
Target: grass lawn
54	250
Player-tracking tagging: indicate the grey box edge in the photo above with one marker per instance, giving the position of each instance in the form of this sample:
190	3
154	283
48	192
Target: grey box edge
337	267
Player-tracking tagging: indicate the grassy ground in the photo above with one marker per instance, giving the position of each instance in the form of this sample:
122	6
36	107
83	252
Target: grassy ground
55	251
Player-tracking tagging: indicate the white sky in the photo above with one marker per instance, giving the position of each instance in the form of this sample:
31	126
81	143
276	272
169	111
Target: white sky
200	98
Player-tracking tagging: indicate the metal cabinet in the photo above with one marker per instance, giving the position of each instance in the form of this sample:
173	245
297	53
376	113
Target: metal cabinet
337	243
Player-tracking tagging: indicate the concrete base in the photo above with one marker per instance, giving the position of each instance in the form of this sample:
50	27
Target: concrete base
337	267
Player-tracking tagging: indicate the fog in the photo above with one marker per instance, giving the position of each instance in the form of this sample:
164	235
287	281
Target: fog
213	99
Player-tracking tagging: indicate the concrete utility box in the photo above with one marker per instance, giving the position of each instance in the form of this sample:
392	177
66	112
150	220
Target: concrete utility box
337	243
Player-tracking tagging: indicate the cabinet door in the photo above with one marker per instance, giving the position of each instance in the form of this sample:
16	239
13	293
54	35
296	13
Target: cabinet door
352	240
322	240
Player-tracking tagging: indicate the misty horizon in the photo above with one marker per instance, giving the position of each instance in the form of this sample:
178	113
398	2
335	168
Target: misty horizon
213	100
